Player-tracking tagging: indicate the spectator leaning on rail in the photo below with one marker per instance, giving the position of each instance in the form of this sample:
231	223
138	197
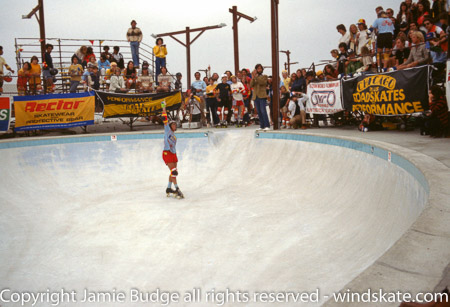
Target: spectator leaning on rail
134	36
22	80
436	43
259	84
3	63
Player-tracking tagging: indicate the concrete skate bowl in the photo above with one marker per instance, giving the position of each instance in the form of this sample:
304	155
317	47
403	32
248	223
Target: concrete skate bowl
266	212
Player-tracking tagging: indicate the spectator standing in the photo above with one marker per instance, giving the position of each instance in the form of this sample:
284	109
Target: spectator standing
75	72
385	29
342	58
35	76
81	54
22	80
285	80
353	63
404	15
353	43
160	52
47	69
134	36
237	90
223	100
198	85
363	36
211	103
3	63
259	84
345	38
178	84
422	13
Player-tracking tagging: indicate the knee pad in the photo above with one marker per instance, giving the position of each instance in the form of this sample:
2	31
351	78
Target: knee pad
226	111
219	110
174	172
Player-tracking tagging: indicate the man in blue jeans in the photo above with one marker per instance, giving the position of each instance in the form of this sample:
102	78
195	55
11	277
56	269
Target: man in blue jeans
259	85
134	36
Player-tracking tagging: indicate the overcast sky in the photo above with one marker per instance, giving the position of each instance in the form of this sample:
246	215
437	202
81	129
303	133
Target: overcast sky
307	27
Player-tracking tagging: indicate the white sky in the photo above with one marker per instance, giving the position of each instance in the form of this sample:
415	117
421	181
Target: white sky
307	27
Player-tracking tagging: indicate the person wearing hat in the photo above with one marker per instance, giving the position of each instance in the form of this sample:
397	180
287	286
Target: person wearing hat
363	37
134	36
320	75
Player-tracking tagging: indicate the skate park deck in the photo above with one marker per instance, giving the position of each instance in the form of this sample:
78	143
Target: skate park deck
416	261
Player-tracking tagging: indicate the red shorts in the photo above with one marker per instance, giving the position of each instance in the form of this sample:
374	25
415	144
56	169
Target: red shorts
239	103
169	157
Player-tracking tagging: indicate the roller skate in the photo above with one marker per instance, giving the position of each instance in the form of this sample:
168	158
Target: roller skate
178	194
170	192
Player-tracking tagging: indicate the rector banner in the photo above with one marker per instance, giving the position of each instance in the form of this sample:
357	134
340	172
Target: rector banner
5	113
137	105
324	98
396	93
54	111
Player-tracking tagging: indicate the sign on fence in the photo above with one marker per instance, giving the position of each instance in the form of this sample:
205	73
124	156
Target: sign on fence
54	111
395	93
5	113
137	105
324	98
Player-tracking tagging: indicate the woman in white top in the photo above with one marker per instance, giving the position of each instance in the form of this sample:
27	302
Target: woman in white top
117	84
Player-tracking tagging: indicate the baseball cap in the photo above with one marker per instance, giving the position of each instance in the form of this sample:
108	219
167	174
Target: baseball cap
319	72
361	21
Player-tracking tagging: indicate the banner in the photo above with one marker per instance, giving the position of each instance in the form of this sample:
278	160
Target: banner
324	98
54	111
395	93
137	105
5	113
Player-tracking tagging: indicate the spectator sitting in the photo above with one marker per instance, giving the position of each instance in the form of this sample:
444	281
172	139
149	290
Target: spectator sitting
106	53
297	113
35	76
145	81
419	54
164	81
103	64
352	64
130	75
320	76
117	84
81	54
367	61
345	38
22	80
90	54
75	72
117	57
436	121
436	43
86	75
401	52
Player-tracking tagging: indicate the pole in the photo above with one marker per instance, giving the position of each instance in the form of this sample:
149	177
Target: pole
235	40
188	58
42	28
275	64
288	53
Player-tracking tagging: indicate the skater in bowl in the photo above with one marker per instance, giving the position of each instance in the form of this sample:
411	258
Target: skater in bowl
169	153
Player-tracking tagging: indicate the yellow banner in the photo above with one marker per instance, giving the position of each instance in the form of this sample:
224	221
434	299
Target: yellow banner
54	111
139	105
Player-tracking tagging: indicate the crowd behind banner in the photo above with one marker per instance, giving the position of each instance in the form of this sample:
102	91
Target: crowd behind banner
392	44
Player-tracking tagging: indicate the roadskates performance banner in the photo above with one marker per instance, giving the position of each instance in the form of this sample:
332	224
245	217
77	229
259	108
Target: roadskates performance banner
5	113
137	105
324	98
54	111
395	93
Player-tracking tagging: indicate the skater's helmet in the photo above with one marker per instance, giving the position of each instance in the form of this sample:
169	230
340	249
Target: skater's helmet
172	122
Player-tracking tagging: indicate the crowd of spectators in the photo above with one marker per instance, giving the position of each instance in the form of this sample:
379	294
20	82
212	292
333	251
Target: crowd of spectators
416	35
